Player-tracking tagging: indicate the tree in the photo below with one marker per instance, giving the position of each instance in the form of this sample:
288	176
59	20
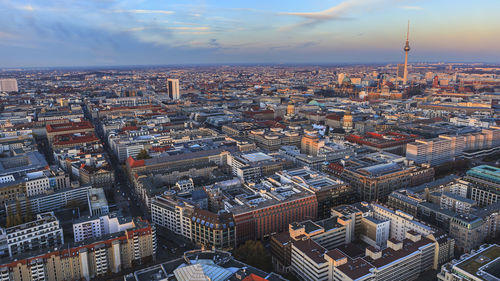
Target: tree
254	254
143	155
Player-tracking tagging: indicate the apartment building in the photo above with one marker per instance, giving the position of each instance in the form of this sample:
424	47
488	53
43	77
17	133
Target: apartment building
446	147
111	253
456	203
52	201
94	227
43	232
172	214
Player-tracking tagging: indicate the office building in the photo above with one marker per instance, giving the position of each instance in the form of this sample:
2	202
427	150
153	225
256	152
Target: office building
173	89
400	222
329	191
484	184
400	261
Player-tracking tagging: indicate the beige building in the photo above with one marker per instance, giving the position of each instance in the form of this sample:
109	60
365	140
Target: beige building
111	254
310	144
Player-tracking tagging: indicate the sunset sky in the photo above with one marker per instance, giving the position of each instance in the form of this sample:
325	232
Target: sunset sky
140	32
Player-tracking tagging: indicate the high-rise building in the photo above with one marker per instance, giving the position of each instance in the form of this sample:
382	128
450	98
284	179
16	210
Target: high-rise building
400	70
173	89
406	49
8	85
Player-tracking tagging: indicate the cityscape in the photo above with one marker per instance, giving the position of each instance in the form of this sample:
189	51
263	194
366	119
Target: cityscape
239	161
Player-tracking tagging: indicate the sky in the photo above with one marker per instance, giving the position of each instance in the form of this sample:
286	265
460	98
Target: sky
40	33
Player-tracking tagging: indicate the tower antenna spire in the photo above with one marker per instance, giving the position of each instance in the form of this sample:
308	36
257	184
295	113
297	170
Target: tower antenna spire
408	31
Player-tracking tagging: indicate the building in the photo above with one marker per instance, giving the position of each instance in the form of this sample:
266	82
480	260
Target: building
375	232
185	185
405	201
480	265
311	144
484	184
85	260
170	213
328	233
213	231
445	248
173	89
391	141
94	227
456	203
268	207
446	147
98	177
308	262
400	222
468	230
42	233
98	204
203	265
8	85
52	201
54	130
433	152
253	166
329	191
375	175
401	260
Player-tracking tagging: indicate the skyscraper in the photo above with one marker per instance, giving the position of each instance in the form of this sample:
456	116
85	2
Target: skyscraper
173	89
406	49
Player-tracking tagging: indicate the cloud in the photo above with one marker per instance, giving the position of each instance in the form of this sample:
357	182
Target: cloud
416	8
338	12
136	11
28	8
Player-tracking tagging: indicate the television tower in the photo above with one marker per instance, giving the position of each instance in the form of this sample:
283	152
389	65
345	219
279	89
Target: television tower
406	49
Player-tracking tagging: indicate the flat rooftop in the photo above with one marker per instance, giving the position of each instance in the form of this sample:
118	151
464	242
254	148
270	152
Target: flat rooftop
257	157
488	256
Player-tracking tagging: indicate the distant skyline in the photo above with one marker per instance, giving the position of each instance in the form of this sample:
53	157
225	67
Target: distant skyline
45	33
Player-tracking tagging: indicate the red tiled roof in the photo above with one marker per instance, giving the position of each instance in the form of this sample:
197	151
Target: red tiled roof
134	163
254	277
69	126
